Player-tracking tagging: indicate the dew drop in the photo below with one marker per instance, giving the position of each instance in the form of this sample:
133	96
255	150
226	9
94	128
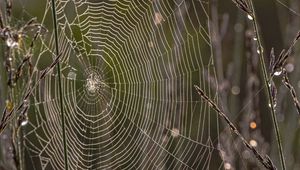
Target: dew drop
11	43
72	75
175	132
269	105
253	143
26	103
24	122
158	18
278	73
9	105
258	51
269	84
250	17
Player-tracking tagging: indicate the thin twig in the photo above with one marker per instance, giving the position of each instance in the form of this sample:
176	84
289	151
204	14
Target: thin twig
242	4
264	160
278	65
27	58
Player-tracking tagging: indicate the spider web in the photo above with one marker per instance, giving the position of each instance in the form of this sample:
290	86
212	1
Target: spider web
128	70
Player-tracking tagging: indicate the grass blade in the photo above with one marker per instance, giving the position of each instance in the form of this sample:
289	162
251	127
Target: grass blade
267	82
60	86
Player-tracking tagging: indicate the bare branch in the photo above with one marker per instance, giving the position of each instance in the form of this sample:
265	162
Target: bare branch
266	161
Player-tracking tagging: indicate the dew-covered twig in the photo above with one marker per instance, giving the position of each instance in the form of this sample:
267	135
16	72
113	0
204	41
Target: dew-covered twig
8	114
242	4
27	58
277	66
266	161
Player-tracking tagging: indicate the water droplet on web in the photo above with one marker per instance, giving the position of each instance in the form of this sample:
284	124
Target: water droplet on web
175	132
250	17
158	18
24	122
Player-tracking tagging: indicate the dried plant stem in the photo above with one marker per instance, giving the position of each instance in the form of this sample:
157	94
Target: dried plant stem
8	113
264	160
267	82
